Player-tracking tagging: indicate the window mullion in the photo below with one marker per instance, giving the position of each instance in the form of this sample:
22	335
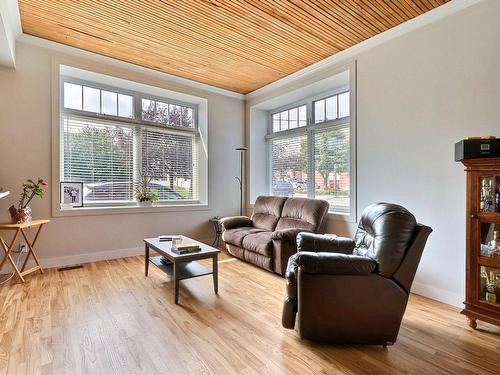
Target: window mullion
137	115
137	155
269	166
311	178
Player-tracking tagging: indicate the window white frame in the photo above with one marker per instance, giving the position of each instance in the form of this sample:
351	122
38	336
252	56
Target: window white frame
200	129
309	130
137	106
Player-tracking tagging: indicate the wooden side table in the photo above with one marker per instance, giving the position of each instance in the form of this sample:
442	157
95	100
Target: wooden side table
19	229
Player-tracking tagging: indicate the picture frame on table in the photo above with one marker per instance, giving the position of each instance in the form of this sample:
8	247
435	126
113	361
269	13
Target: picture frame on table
70	194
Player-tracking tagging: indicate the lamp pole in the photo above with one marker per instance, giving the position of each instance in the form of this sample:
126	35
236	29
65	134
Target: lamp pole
240	179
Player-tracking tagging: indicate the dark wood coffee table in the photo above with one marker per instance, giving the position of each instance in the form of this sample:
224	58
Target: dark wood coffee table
181	267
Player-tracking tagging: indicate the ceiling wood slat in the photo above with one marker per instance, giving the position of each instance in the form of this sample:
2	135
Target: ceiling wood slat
239	45
178	38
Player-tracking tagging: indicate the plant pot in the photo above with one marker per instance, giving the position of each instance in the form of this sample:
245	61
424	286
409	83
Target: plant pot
145	203
20	215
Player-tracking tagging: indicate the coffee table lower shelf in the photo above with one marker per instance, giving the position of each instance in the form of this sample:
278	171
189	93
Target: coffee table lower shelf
187	270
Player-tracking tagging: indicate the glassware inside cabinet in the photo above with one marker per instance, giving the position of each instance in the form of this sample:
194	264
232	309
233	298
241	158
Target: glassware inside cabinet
490	240
489	194
489	286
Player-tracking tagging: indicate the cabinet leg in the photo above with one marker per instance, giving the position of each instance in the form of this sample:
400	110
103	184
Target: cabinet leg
472	323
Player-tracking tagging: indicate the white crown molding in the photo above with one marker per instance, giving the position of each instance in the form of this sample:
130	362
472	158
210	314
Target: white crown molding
64	49
340	58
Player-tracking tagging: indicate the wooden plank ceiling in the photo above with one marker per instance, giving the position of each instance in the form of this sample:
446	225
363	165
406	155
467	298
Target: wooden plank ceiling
239	45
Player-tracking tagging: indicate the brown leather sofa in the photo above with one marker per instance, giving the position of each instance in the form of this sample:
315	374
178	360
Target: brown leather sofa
355	291
268	238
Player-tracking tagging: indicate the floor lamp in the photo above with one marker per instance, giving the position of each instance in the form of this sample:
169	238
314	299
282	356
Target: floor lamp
241	150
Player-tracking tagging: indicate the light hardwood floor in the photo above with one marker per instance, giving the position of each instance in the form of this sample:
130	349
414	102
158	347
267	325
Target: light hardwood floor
108	318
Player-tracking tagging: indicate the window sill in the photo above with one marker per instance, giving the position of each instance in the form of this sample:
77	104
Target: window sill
120	210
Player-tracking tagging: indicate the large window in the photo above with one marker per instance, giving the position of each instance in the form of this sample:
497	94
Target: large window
111	138
311	157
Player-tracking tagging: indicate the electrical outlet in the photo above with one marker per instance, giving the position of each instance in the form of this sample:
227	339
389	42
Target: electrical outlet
23	248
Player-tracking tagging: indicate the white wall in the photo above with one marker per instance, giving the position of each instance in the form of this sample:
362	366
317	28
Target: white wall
417	95
25	151
258	155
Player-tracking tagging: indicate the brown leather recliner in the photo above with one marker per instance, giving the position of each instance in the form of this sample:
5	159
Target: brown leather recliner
349	291
268	238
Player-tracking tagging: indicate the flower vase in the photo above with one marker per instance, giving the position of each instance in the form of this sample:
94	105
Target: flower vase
20	215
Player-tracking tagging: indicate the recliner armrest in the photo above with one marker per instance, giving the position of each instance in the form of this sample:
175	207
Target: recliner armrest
288	235
324	242
335	264
232	222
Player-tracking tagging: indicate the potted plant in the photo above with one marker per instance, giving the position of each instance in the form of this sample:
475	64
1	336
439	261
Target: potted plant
143	192
31	189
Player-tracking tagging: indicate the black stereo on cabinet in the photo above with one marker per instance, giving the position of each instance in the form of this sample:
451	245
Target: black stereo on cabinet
477	148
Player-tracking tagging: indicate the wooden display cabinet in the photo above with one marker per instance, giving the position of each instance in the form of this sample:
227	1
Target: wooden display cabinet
482	294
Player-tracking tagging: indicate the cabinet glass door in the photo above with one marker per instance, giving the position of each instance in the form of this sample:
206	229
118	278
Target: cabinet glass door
489	286
489	194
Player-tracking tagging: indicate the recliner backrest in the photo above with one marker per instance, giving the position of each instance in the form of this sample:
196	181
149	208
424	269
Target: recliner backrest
267	211
303	213
408	268
384	234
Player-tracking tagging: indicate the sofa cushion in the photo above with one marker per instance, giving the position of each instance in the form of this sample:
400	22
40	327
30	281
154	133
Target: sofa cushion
236	236
303	213
267	211
260	243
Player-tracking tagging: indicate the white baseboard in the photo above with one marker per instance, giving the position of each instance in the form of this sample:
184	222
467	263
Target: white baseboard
438	294
68	260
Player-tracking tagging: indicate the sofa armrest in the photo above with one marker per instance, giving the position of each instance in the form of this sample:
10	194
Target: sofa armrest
232	222
288	235
324	242
335	264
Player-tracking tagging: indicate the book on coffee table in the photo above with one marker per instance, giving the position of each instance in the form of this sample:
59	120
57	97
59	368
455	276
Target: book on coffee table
185	248
169	238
